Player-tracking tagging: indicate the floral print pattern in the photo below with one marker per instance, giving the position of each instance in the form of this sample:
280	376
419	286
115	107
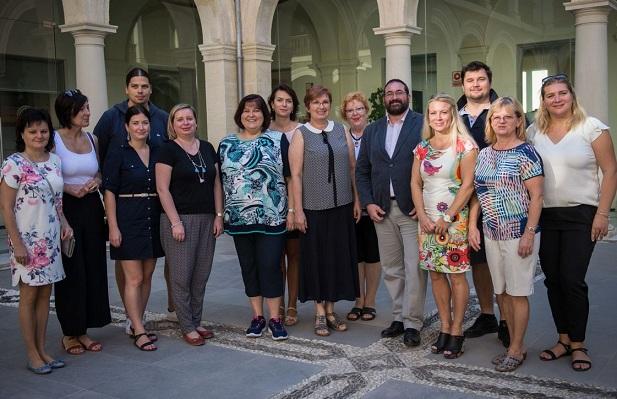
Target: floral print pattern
37	219
441	176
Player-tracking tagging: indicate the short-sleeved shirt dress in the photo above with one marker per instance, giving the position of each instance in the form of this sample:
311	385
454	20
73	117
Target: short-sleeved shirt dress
441	176
37	218
138	217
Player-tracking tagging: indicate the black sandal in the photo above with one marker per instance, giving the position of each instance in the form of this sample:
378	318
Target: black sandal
454	346
151	336
368	313
580	361
552	354
440	344
354	314
142	347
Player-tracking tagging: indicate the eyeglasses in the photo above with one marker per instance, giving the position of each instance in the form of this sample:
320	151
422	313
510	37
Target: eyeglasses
506	118
359	110
398	93
72	92
551	78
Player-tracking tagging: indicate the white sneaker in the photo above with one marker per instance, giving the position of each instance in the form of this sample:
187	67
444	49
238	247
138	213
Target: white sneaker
127	327
171	316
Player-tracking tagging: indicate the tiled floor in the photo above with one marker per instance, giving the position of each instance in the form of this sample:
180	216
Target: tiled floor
352	364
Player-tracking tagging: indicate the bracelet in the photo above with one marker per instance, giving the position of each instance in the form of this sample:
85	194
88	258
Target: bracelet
599	212
178	223
532	229
219	214
291	210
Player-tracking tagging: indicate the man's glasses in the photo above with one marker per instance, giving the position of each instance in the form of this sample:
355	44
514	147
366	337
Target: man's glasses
398	93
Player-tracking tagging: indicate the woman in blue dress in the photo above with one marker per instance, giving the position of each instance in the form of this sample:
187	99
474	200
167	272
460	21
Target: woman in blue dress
133	211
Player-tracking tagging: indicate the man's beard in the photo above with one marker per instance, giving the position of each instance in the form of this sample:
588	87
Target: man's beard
397	107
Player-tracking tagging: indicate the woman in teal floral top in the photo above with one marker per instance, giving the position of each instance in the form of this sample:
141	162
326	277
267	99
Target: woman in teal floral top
254	166
441	185
31	200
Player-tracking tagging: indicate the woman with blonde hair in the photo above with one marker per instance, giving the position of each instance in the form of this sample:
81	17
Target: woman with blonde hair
189	188
441	185
577	202
508	181
355	111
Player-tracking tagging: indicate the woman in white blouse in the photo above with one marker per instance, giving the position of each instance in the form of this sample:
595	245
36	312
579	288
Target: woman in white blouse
577	202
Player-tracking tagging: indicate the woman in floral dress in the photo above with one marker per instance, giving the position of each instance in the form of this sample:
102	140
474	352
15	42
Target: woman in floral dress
442	183
31	200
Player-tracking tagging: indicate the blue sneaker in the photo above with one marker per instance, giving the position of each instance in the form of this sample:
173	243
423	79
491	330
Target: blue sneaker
257	326
277	330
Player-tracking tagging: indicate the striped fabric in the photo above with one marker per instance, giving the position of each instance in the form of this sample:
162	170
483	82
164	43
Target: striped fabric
499	181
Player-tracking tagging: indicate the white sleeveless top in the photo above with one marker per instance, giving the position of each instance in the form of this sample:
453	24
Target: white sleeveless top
76	168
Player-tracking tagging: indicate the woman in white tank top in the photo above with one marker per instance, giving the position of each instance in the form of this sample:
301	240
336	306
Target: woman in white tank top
81	299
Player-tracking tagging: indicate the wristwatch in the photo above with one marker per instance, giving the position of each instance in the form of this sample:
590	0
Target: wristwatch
447	218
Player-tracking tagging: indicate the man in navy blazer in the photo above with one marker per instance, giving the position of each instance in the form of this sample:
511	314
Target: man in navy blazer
383	175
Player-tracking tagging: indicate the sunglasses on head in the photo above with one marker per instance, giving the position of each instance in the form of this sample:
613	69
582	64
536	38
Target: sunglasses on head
551	78
72	92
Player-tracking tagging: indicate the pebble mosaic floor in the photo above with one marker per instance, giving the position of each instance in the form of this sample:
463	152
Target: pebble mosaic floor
351	372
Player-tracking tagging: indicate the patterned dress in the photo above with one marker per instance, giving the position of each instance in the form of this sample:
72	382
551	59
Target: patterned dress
37	219
441	176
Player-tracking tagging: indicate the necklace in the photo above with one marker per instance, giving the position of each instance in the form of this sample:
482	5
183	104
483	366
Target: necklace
199	168
356	140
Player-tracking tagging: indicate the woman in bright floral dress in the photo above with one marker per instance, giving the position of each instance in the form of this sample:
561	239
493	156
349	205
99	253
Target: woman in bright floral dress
442	183
31	201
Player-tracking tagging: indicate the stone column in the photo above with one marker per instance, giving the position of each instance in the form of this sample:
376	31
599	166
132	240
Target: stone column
221	89
258	68
90	72
398	51
591	64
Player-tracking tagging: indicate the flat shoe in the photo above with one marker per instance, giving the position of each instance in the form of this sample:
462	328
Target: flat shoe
44	369
354	314
151	336
56	364
290	319
553	356
580	361
93	347
321	327
72	346
499	358
199	341
142	346
509	363
368	313
205	333
333	322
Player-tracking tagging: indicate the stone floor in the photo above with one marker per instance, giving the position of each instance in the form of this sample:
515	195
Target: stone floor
353	364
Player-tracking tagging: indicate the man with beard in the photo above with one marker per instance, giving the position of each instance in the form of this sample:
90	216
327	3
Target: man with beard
473	107
383	175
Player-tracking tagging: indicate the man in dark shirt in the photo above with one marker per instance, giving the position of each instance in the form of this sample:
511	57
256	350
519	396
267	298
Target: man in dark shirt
473	107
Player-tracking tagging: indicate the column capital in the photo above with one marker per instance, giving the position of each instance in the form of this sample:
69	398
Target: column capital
258	51
217	52
576	5
406	30
88	27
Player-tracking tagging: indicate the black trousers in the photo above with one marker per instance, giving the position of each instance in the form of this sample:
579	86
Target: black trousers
565	252
260	260
82	300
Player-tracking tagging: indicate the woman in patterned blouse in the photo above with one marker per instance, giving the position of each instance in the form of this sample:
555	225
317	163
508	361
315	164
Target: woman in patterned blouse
509	180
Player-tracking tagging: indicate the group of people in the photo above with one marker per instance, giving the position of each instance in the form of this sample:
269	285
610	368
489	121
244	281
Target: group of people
316	209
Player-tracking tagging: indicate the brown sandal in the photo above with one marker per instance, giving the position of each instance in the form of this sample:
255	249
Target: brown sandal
291	319
321	326
333	321
72	346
